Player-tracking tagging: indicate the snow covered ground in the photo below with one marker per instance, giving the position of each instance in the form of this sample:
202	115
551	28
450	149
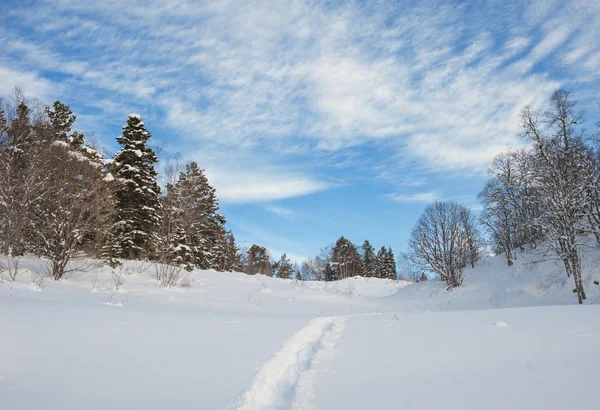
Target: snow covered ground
510	338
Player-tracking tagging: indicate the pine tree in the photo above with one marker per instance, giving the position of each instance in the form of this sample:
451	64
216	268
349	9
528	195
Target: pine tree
137	197
258	261
179	252
228	259
285	269
61	120
195	211
329	274
368	259
390	263
381	263
346	259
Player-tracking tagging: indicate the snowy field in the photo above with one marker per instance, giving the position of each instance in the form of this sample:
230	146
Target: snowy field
509	339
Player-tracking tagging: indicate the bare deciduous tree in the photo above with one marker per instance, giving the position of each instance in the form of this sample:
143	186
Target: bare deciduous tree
442	241
565	179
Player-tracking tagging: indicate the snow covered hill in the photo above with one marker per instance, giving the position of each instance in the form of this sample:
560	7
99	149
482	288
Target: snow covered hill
105	338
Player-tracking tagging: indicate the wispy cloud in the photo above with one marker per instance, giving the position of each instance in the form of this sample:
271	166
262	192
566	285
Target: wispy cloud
442	83
414	197
280	211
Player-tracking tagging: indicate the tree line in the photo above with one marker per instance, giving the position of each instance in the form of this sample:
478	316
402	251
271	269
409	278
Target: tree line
544	198
61	197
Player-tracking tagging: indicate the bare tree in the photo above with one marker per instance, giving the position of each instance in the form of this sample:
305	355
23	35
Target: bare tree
565	177
77	201
509	205
442	240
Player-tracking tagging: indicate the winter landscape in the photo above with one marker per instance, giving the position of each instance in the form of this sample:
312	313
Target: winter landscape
299	205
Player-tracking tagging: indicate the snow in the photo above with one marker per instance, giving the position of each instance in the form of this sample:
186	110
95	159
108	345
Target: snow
510	338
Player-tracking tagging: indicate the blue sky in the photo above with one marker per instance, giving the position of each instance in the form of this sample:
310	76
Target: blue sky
313	119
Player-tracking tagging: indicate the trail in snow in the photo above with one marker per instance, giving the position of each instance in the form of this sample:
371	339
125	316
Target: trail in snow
305	390
285	378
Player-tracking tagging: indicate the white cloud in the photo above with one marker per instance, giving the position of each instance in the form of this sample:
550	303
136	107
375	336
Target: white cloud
261	186
414	197
441	87
30	82
280	211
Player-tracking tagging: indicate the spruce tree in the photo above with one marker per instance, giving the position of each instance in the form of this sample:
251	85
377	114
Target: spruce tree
390	262
62	119
329	273
285	269
368	259
381	263
346	259
179	252
196	212
258	261
137	196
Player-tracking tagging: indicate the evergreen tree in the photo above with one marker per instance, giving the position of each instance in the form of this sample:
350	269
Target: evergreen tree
345	259
230	259
62	119
195	211
390	265
137	196
368	259
258	261
179	252
380	263
285	269
329	274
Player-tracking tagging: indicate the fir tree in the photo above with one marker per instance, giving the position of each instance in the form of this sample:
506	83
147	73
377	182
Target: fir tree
285	269
228	258
380	263
258	261
329	274
137	196
346	259
62	119
195	211
179	252
368	259
390	264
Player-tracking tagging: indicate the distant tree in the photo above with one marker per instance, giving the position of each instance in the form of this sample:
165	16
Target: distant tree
390	262
258	261
329	273
385	265
406	268
310	269
368	255
345	259
134	233
284	267
230	259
